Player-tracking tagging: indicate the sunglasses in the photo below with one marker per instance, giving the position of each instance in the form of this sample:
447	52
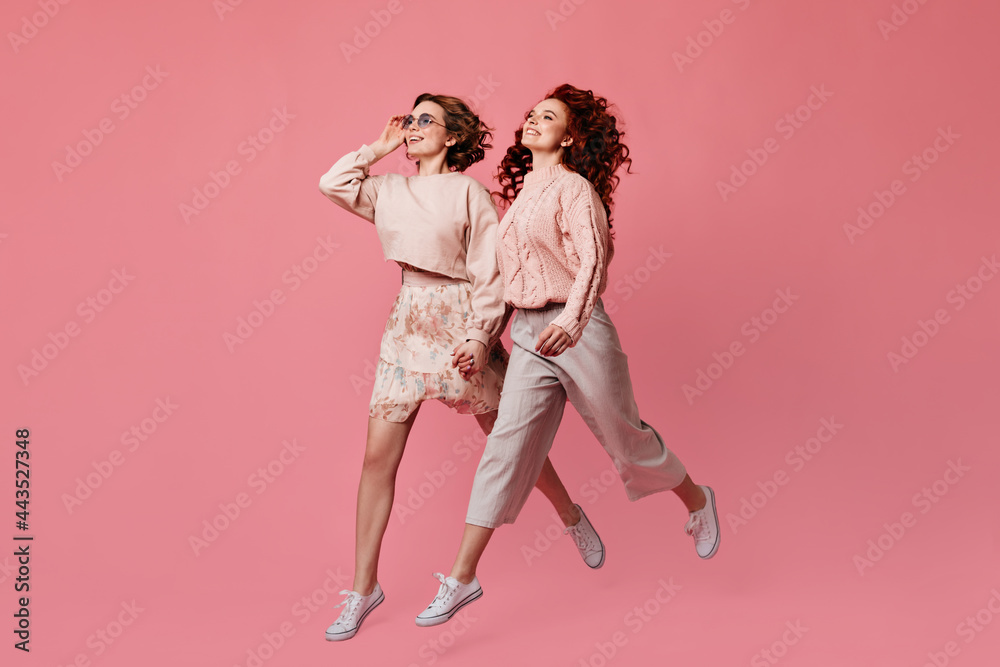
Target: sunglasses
423	121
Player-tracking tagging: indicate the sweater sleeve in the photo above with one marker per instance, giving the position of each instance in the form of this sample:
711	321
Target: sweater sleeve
488	307
349	186
587	224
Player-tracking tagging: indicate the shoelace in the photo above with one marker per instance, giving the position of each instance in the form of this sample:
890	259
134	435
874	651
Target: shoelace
582	539
445	591
697	527
351	604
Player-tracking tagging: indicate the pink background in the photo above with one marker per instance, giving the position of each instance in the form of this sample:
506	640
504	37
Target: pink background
301	375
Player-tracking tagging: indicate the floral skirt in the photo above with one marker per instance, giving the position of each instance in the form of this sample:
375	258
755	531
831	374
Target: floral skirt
426	323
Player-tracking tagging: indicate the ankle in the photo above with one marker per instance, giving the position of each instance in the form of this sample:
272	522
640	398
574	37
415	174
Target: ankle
697	501
462	576
572	516
364	586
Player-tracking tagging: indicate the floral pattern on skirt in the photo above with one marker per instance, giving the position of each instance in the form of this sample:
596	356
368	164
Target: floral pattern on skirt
425	324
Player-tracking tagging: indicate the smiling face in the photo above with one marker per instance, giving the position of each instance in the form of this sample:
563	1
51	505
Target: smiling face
431	140
545	128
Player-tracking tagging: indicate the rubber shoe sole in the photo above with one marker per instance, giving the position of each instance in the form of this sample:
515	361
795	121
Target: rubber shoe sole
718	532
342	636
443	618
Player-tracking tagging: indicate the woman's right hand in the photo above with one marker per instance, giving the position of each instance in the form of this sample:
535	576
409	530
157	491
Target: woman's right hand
392	137
553	341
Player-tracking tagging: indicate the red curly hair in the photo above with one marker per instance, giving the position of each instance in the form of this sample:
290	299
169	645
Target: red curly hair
596	153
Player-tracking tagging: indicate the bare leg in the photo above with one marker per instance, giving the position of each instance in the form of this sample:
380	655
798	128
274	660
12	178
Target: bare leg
548	481
690	494
383	452
474	542
475	538
550	484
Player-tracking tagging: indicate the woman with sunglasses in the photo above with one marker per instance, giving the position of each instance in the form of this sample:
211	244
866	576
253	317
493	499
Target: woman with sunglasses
441	340
553	249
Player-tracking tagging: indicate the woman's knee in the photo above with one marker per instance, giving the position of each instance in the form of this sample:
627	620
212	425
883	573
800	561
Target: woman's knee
381	460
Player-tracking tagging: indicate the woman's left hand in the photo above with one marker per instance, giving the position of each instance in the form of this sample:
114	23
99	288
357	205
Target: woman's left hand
470	357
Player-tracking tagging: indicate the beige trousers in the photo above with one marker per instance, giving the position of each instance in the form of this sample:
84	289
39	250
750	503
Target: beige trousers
594	376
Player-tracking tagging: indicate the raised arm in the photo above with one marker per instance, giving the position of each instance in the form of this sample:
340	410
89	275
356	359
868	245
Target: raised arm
348	184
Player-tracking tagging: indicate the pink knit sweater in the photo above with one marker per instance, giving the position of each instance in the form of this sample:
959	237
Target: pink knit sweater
554	246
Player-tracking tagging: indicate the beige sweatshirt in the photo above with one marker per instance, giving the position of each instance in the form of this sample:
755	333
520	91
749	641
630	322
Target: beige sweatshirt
555	246
443	223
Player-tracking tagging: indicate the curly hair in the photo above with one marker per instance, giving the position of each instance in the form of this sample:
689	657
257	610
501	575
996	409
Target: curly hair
596	153
472	136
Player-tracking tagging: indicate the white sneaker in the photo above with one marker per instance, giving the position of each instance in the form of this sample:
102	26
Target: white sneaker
704	526
356	609
588	542
451	596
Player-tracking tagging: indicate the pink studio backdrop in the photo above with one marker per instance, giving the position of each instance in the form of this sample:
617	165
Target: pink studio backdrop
813	191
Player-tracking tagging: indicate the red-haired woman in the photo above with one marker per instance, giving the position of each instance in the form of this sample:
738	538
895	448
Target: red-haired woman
554	248
441	339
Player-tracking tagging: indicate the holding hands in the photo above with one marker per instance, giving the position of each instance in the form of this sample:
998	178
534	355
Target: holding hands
469	357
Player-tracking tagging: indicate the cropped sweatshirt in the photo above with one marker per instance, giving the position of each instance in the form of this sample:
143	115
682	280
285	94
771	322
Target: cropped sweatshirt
441	223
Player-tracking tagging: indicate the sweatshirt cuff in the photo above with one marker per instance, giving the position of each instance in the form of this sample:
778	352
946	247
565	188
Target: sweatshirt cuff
568	324
478	335
366	153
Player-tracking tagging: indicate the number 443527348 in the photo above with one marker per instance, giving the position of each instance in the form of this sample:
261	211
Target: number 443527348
21	478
